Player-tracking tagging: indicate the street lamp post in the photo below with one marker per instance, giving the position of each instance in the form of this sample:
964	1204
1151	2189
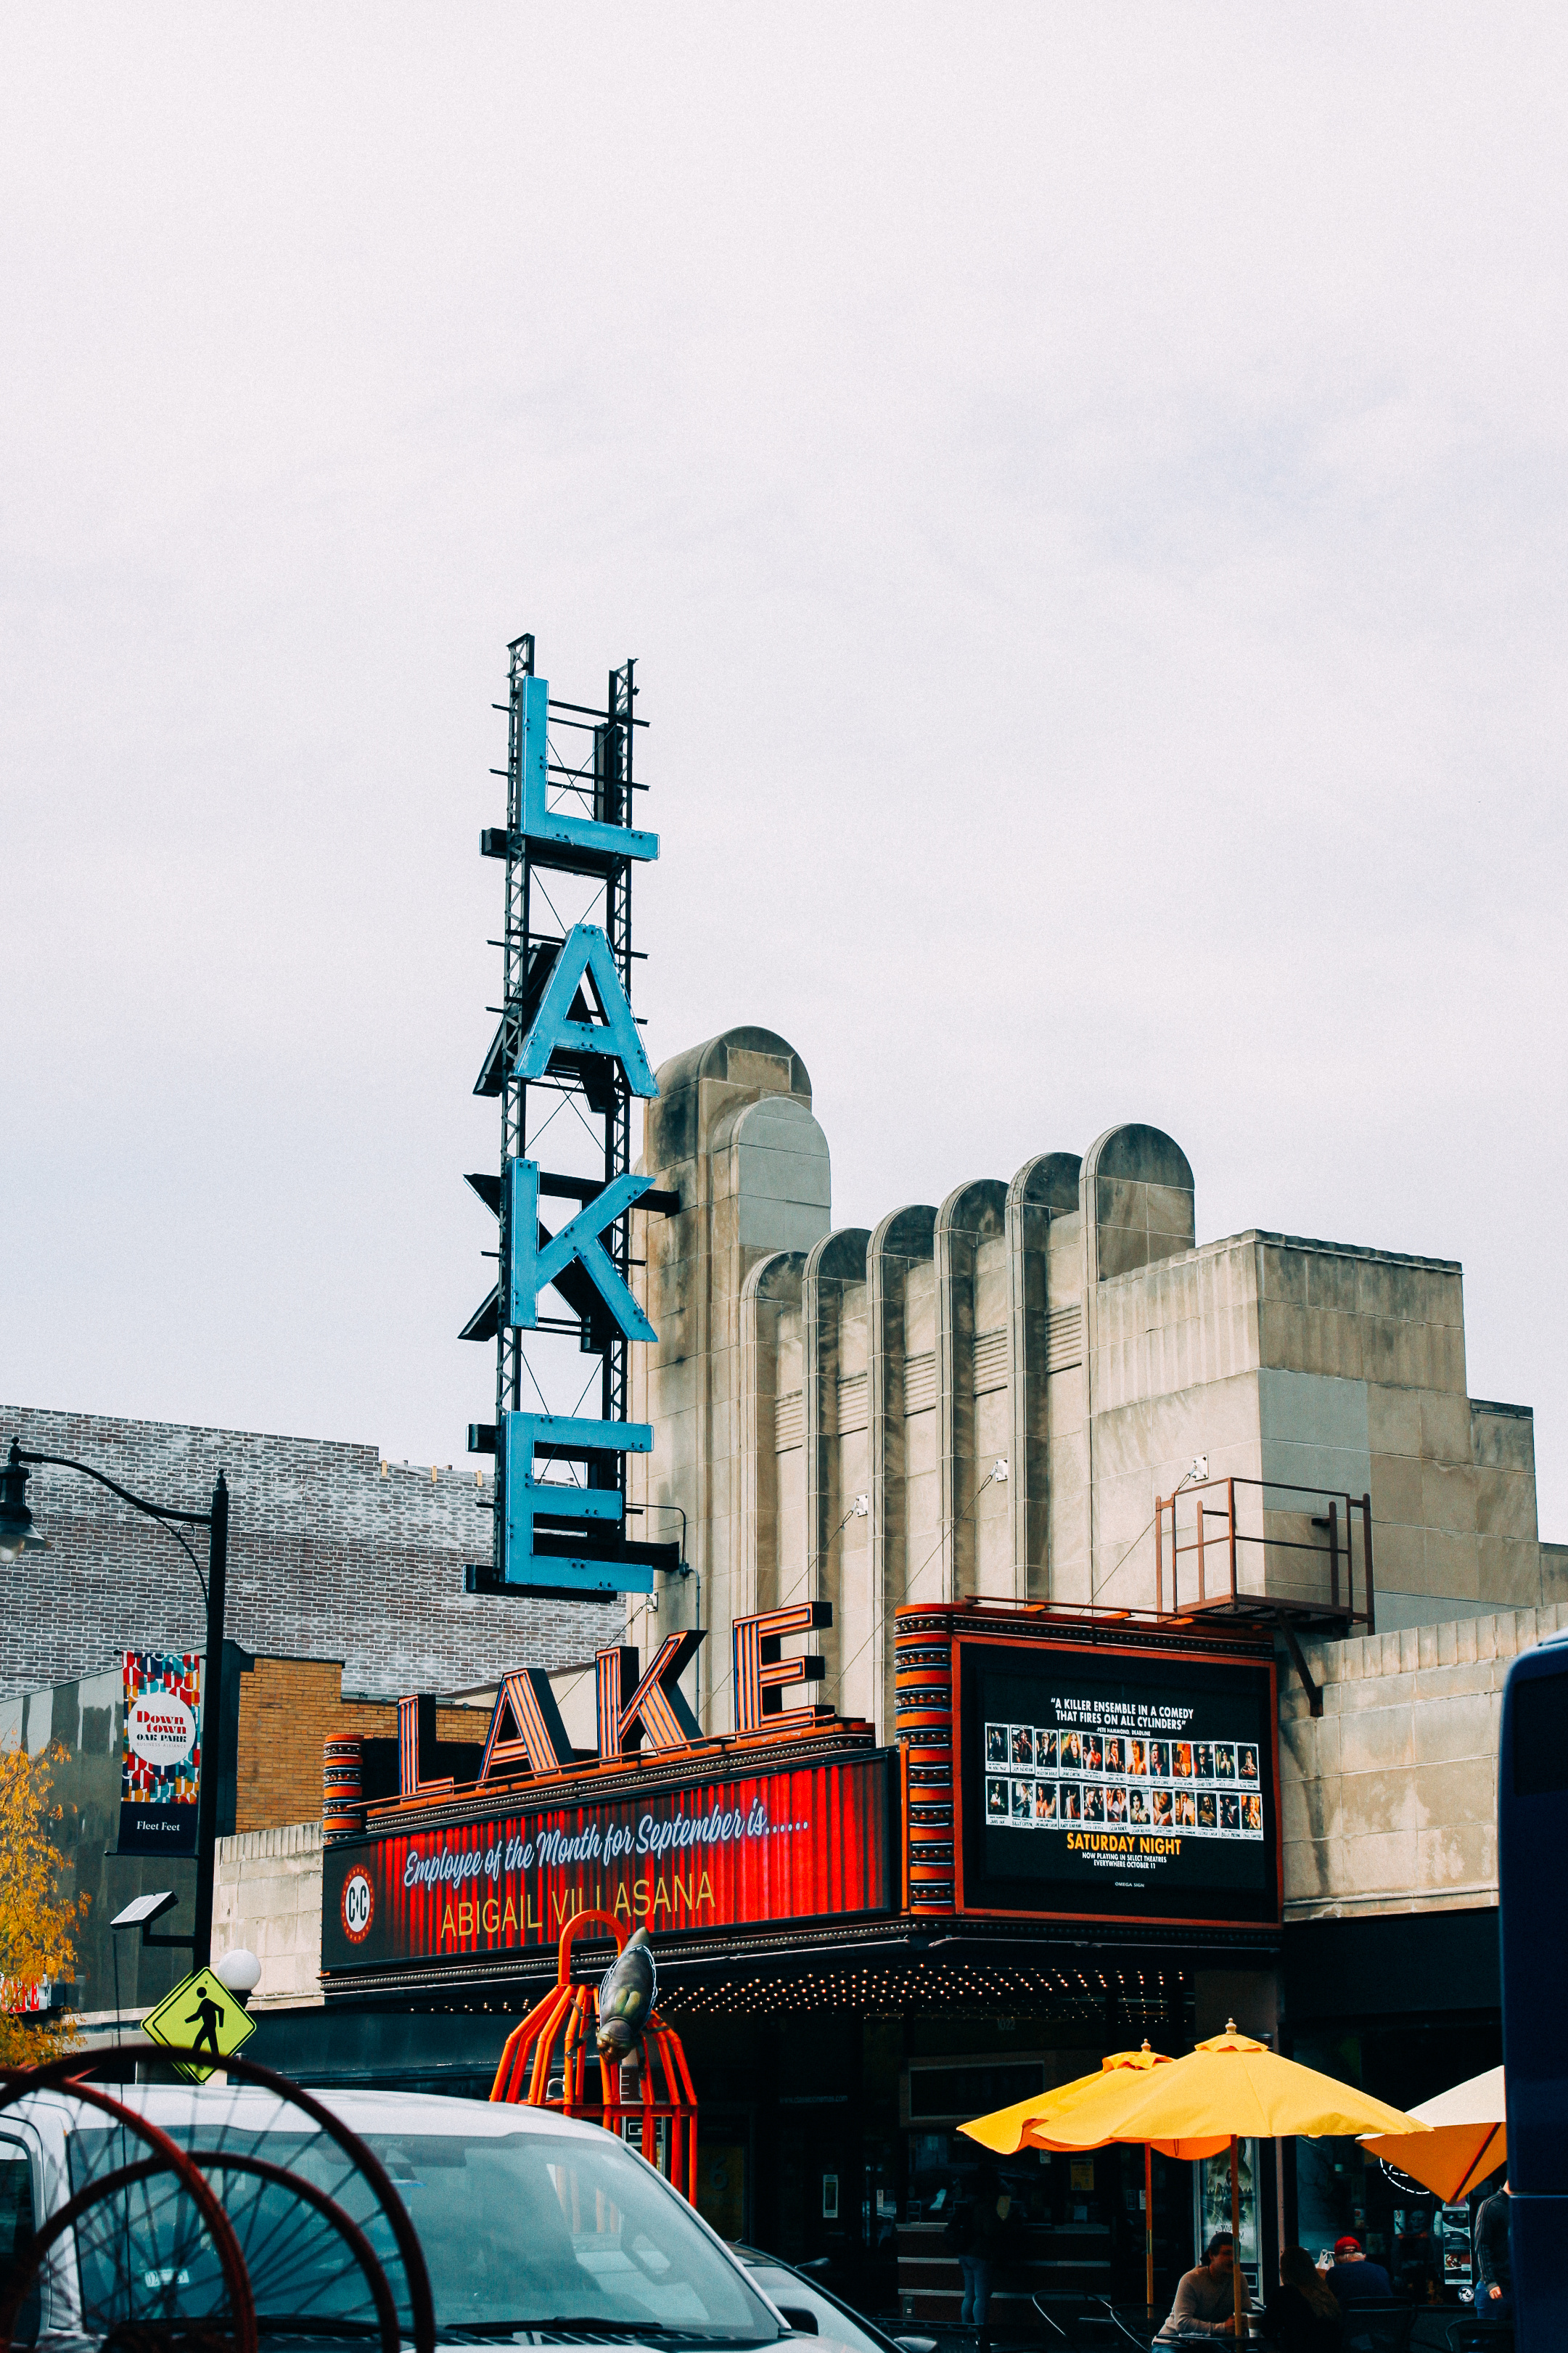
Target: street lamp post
19	1536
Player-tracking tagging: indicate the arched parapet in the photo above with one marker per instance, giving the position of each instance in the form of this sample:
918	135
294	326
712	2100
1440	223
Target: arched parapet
1046	1187
730	1134
832	1344
1050	1181
696	1088
1137	1206
972	1347
904	1481
1137	1197
838	1257
772	1176
908	1233
770	1304
772	1282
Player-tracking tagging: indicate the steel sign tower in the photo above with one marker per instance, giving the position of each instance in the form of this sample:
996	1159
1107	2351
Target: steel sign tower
568	1048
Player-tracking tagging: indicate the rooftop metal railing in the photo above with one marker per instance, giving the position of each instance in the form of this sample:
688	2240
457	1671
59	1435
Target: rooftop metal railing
1218	1546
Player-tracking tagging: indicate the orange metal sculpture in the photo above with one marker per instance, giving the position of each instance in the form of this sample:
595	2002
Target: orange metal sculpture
546	2060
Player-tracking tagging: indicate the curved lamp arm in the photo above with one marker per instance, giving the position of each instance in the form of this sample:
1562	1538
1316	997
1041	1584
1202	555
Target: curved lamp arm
163	1512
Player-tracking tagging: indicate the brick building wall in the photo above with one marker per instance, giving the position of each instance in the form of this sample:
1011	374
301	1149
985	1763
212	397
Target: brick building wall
288	1709
331	1556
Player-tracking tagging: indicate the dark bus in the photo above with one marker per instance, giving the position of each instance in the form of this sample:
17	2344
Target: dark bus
1532	1876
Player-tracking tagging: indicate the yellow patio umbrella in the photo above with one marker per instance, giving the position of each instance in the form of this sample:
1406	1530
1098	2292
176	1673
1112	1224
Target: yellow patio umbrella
1085	2114
1468	2138
1230	2089
1234	2086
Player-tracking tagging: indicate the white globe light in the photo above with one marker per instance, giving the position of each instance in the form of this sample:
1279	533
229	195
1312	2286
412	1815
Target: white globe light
241	1971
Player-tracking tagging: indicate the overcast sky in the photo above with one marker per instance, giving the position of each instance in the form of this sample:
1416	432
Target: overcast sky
1086	490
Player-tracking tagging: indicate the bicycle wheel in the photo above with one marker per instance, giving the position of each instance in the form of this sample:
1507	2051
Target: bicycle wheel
323	2239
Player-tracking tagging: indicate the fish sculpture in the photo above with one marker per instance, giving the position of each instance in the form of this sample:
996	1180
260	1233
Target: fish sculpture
627	1994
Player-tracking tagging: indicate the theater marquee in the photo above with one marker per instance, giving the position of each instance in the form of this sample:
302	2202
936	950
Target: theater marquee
813	1841
1106	1783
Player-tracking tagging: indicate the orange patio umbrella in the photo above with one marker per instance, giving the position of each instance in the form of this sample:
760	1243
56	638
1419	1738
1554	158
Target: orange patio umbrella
1468	2138
1048	2120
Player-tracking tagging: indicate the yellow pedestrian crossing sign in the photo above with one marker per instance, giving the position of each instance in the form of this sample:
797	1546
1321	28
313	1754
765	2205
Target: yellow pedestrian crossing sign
201	2014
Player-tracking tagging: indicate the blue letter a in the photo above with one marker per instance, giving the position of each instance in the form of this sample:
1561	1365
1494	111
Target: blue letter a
586	952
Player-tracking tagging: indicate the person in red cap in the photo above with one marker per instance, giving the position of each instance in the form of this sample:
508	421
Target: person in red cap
1355	2281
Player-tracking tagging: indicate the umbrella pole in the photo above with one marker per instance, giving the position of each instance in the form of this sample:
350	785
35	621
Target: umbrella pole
1149	2226
1235	2234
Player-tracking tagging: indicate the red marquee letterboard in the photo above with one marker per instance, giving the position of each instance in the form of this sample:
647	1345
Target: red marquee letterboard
801	1844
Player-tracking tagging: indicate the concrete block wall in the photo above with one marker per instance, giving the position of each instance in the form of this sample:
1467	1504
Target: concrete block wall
1318	1366
835	1410
1388	1800
267	1897
901	1323
332	1556
1062	1573
771	1425
1044	1339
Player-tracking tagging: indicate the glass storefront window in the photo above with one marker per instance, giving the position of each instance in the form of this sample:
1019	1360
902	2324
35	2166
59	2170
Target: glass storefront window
944	2169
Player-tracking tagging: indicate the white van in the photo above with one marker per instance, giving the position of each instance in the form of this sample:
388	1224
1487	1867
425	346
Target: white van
534	2230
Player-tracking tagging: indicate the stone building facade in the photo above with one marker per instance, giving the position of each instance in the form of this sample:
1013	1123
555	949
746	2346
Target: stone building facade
1066	1324
1388	1799
335	1554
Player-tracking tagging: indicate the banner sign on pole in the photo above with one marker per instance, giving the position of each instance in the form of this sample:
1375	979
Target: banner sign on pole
161	1757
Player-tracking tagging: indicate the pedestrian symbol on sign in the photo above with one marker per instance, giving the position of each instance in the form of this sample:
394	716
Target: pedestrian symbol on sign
207	2017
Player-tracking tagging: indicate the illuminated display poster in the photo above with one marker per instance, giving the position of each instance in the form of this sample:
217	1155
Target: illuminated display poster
806	1842
1112	1782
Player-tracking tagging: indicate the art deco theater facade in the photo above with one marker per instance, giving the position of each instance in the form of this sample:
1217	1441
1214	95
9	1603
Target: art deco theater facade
968	1645
1075	1634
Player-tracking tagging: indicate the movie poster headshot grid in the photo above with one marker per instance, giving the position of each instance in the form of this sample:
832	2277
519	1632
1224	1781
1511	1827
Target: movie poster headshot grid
1037	1778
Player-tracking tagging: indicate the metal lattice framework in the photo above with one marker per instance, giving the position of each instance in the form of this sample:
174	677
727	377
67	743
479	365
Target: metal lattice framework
601	784
549	2061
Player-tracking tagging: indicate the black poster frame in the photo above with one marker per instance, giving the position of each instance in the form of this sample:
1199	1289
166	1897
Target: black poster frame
978	1890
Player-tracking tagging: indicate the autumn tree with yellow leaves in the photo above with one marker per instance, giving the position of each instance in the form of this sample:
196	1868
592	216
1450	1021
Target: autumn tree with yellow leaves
38	1926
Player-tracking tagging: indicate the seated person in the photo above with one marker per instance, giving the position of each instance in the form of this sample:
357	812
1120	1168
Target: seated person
1355	2281
1303	2315
1206	2296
